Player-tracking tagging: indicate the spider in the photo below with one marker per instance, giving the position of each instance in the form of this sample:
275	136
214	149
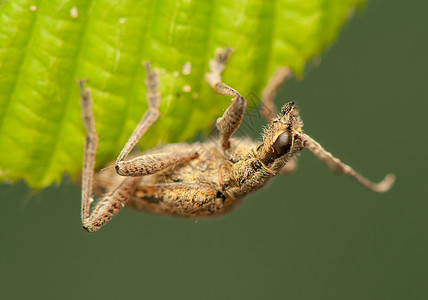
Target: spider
199	179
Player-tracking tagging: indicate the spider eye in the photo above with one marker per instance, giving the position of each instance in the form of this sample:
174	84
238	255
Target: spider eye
283	143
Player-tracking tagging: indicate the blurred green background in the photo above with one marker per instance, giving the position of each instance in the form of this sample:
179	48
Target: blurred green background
309	235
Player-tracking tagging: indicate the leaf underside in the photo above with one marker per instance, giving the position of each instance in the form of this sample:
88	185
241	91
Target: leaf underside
47	45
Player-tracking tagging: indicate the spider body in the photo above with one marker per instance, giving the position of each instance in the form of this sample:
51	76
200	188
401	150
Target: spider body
199	179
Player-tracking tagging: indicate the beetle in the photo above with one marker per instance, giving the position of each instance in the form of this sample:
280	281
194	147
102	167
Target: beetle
205	178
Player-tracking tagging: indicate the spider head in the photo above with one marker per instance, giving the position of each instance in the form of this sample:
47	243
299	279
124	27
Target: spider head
280	140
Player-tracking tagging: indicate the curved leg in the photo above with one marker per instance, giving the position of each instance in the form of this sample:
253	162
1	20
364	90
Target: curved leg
151	163
337	165
109	205
232	117
268	108
151	115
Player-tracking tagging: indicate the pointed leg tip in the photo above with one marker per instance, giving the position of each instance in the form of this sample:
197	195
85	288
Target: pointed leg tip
386	184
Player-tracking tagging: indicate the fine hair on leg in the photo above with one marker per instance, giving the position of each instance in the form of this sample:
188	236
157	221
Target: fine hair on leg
151	115
337	165
90	148
232	117
109	205
268	109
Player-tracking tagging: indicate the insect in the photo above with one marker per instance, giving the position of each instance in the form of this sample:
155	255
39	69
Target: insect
200	179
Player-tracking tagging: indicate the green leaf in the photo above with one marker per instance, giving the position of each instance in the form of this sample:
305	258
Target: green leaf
45	46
